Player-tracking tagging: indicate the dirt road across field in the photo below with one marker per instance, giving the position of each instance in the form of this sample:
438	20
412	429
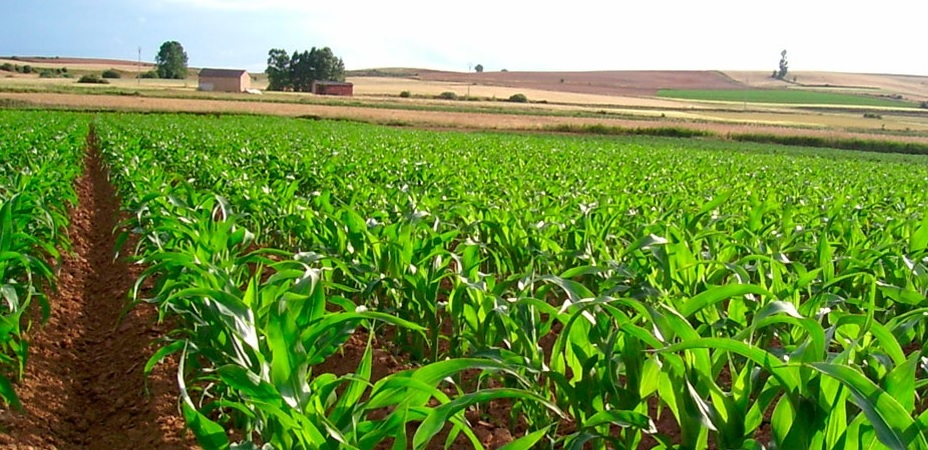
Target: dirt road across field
84	386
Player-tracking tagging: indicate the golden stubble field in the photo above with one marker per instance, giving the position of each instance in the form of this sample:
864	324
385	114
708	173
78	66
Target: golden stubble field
392	86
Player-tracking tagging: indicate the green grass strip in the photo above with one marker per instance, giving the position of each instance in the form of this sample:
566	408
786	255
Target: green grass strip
787	96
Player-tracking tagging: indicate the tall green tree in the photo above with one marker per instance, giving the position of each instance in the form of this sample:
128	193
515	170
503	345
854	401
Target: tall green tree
301	71
326	66
784	66
171	61
278	70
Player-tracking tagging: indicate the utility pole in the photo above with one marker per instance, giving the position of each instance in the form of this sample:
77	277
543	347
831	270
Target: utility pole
469	67
139	76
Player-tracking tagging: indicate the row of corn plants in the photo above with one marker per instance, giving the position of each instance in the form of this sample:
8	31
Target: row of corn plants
40	157
643	293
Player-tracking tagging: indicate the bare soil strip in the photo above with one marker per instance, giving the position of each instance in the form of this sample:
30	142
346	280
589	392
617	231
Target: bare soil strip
84	386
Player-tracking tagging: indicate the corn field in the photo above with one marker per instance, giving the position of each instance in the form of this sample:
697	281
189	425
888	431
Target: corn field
621	294
40	157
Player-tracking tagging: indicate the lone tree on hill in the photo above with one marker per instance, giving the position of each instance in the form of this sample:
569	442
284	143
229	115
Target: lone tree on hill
171	61
784	67
297	72
478	68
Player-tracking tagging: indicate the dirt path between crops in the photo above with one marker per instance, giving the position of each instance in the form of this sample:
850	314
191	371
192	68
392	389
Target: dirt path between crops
84	387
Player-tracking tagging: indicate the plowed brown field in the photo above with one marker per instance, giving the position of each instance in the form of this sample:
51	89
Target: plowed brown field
626	82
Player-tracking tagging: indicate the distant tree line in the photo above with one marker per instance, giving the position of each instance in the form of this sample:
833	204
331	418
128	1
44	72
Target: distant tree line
19	69
297	72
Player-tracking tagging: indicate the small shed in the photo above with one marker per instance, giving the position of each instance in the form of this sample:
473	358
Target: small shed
333	88
224	80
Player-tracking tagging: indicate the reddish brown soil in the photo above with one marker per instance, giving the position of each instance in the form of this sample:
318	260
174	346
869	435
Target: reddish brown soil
84	387
622	83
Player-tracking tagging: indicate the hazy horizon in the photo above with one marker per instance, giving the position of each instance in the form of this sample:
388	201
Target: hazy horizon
517	36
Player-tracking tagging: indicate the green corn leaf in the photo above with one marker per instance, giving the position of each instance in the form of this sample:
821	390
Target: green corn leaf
208	433
355	389
8	393
888	342
893	425
786	374
902	295
900	382
717	294
918	240
623	419
159	355
528	441
439	416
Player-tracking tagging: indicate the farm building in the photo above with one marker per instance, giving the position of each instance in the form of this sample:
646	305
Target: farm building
333	88
224	80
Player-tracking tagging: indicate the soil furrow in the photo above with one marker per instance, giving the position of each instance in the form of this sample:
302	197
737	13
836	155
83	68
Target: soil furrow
84	386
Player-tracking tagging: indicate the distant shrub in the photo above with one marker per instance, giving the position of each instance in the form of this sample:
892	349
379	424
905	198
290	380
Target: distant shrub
405	94
924	105
111	74
92	79
7	67
504	70
675	132
518	98
47	73
28	69
447	95
151	74
870	115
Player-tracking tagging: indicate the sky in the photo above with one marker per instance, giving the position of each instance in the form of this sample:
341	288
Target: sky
844	36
